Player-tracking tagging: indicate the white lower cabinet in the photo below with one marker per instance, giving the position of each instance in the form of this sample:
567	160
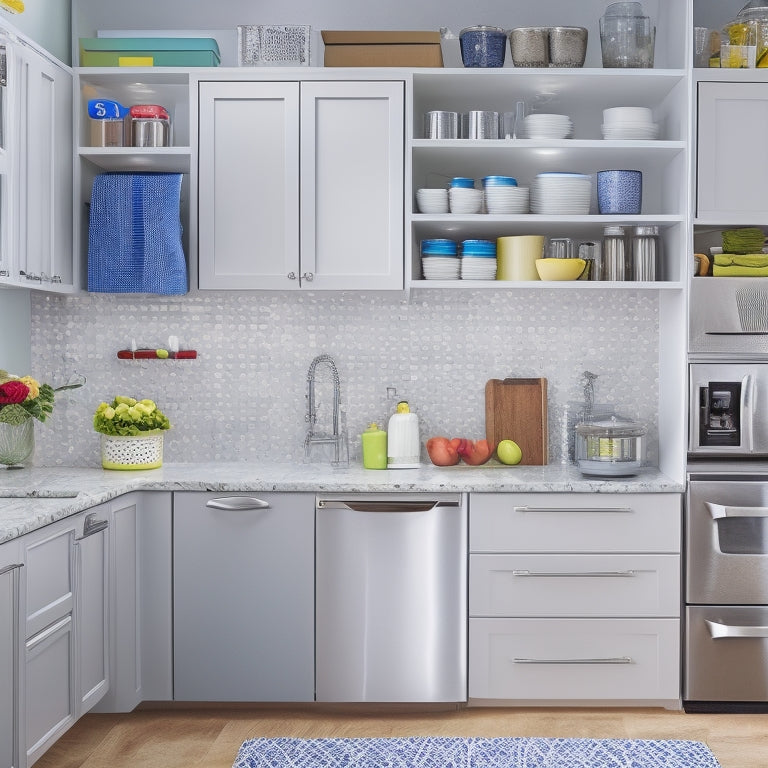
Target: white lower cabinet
10	660
244	595
574	599
140	619
50	687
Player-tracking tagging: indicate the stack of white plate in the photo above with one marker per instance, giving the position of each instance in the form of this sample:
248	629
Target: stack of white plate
542	126
478	268
507	199
561	194
441	267
629	123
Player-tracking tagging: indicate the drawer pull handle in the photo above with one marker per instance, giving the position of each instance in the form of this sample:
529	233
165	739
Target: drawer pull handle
571	509
719	631
720	510
569	574
608	660
238	503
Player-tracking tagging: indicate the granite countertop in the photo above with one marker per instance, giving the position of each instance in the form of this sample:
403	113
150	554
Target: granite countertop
33	497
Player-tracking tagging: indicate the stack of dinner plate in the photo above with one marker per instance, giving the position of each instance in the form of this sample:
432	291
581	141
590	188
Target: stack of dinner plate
543	126
629	123
561	194
478	260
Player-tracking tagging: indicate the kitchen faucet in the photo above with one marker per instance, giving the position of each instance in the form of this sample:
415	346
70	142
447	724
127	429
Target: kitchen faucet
336	437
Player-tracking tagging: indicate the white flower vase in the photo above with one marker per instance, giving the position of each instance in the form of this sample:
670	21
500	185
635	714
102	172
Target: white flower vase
132	451
17	443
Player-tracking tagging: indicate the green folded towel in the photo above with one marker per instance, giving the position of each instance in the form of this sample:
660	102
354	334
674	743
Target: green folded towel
741	259
743	240
738	271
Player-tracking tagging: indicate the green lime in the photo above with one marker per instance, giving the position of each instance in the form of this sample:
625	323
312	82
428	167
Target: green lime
161	353
509	452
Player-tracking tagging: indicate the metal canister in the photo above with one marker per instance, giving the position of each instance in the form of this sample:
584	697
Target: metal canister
644	252
614	258
150	132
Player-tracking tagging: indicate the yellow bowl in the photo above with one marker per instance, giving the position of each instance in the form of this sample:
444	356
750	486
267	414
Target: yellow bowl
560	269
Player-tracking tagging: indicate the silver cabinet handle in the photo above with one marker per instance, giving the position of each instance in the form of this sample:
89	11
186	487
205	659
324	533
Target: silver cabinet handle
11	567
237	503
291	275
55	278
5	273
93	525
46	633
718	630
720	510
308	276
571	509
608	660
568	574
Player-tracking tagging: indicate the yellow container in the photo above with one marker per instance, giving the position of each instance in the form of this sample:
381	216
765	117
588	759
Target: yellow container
374	442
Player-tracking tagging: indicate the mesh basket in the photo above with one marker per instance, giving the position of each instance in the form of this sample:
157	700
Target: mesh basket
273	45
132	451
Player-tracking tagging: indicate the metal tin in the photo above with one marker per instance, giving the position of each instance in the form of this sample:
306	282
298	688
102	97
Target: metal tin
108	133
150	132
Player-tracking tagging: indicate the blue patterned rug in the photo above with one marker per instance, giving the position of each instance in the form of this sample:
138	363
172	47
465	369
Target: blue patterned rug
441	752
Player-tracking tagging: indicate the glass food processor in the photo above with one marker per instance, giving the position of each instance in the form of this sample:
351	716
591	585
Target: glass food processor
610	447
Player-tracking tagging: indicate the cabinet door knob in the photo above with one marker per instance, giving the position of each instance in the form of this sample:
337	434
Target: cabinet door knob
291	275
308	276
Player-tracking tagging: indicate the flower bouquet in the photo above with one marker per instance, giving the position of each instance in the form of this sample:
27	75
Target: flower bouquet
131	433
22	399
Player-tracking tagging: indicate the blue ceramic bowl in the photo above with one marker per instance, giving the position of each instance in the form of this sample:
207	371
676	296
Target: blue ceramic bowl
620	192
483	46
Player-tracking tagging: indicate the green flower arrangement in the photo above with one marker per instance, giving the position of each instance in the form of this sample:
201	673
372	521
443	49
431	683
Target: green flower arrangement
126	416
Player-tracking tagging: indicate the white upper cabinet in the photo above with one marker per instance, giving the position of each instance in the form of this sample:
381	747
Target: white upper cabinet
36	171
732	153
301	185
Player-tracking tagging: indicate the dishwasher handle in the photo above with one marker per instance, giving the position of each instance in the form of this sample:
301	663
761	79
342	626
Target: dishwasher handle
378	505
237	503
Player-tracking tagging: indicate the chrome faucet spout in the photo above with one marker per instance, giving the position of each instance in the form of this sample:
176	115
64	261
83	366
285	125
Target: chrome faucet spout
335	435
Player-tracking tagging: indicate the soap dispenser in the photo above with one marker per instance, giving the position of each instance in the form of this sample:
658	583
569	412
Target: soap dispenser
403	445
374	442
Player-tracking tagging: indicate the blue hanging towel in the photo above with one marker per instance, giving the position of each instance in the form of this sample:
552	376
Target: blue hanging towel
134	234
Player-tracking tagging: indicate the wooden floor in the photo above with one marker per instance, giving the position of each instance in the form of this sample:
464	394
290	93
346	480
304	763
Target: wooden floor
210	737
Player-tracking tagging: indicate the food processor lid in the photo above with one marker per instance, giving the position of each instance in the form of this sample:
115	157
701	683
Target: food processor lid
614	427
754	9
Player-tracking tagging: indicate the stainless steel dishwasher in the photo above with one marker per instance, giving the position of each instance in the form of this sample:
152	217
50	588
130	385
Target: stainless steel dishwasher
391	598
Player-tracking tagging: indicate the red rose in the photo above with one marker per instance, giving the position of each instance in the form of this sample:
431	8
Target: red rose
13	392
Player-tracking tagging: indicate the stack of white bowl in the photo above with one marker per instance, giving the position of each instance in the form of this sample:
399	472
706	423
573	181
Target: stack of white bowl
465	200
561	194
510	199
543	126
629	123
432	200
478	260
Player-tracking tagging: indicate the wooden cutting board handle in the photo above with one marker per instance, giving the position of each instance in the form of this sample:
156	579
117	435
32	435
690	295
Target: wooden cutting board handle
516	409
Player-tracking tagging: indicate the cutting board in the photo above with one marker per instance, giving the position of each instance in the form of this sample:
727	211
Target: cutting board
516	409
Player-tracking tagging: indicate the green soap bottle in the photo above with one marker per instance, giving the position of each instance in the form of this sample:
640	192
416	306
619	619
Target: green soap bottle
374	442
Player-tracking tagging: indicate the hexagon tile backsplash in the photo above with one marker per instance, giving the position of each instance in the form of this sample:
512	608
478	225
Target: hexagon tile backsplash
244	397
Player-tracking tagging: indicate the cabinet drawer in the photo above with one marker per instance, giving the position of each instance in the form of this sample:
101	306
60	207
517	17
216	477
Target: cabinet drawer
574	659
574	522
50	574
574	585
